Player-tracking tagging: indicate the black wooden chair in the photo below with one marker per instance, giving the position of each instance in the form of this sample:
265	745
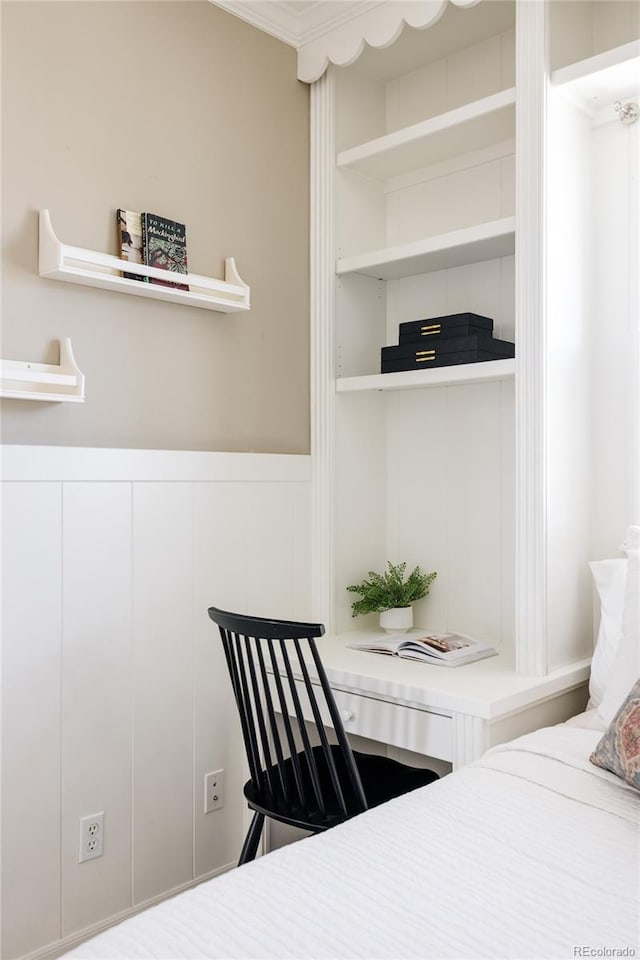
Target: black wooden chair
271	663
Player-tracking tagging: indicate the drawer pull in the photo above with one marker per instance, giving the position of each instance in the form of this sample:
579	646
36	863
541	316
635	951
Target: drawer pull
347	715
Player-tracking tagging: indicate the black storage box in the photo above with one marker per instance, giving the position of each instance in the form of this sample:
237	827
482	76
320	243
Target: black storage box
443	353
454	325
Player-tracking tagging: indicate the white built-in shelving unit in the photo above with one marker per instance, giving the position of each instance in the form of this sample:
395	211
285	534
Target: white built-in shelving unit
432	193
53	383
60	261
418	144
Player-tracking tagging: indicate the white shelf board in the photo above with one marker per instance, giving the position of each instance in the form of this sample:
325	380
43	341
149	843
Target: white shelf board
488	370
601	80
484	241
470	127
23	380
59	261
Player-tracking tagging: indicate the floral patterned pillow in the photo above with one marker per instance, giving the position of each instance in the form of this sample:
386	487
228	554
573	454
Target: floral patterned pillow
619	749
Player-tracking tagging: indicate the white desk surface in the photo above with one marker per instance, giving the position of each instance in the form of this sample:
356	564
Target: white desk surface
489	688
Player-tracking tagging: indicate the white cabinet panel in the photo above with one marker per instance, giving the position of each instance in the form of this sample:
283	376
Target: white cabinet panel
417	96
417	499
473	472
163	686
31	633
449	202
446	510
474	72
96	686
507	495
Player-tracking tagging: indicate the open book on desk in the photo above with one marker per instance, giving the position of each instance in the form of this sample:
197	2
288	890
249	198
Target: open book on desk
440	649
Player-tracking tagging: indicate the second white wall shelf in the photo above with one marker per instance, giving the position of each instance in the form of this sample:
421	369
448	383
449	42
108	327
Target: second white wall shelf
23	380
59	261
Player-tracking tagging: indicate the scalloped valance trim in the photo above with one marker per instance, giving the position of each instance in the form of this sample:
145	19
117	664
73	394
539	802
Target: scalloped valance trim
379	27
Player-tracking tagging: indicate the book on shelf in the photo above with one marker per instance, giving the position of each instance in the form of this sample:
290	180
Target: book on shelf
440	649
164	245
130	240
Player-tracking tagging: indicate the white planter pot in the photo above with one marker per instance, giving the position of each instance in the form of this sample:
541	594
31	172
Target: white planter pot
398	620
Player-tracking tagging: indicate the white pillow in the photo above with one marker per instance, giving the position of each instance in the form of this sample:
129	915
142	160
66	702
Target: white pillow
609	577
626	669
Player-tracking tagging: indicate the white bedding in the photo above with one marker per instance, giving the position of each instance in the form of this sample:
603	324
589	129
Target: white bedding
529	853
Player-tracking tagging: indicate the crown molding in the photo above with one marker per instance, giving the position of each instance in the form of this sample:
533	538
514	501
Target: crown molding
297	22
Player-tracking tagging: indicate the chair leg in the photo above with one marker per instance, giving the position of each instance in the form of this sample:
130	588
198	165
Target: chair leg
250	846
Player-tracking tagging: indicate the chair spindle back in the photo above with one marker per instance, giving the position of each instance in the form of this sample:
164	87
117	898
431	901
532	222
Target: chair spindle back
271	664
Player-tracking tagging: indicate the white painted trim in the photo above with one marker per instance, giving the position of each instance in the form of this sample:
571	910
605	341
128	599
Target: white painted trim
322	347
470	739
34	463
633	484
73	940
377	27
532	68
295	27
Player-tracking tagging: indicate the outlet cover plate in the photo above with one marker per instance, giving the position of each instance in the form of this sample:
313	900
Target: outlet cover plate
91	843
213	791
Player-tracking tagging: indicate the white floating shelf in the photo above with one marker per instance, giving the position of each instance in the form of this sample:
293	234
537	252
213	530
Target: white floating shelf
59	261
601	80
22	380
471	127
438	377
484	241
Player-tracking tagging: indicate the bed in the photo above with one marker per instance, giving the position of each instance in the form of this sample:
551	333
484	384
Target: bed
530	852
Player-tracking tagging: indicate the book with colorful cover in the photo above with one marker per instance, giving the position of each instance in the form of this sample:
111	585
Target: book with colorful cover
441	649
164	245
130	240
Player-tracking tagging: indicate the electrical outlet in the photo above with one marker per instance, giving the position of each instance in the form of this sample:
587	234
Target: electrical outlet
91	837
213	791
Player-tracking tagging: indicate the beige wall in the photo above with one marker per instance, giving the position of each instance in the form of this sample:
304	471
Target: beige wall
184	110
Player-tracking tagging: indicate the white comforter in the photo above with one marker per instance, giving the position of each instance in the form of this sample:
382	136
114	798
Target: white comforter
531	852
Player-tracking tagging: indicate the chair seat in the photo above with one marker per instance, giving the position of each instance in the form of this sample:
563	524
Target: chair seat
382	780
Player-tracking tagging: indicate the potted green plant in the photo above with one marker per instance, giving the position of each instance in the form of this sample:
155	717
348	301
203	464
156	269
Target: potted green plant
390	595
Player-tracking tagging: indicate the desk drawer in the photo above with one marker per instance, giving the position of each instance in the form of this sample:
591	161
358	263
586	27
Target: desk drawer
429	734
408	728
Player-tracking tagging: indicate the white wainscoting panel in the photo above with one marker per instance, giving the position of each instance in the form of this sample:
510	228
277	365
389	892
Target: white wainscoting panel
95	740
220	579
31	663
163	687
116	695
